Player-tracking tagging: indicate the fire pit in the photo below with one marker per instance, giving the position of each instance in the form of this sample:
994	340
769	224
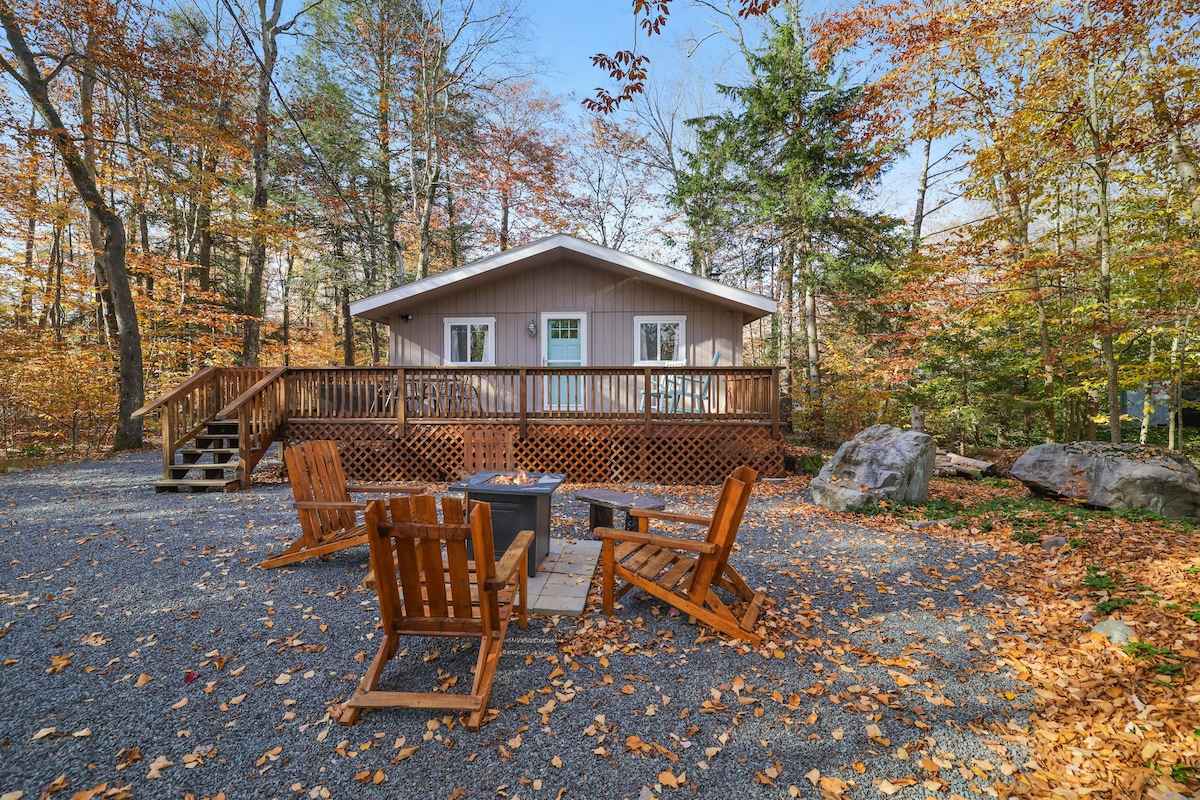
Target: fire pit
520	501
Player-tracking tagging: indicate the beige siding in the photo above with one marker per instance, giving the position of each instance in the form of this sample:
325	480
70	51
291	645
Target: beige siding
610	300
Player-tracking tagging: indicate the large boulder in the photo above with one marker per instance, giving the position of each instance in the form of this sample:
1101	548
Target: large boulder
1102	475
881	463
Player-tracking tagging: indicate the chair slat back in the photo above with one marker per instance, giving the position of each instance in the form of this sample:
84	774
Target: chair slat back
315	472
485	566
722	531
425	559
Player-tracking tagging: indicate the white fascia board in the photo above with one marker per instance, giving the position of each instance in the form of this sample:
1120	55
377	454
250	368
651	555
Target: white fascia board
748	301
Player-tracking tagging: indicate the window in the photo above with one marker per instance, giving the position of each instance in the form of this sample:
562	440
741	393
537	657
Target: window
470	341
658	340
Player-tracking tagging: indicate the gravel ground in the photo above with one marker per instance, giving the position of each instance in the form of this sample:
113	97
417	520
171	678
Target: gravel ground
136	624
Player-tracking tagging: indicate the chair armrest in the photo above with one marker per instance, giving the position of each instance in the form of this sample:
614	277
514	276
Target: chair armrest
329	505
674	542
671	516
384	488
513	559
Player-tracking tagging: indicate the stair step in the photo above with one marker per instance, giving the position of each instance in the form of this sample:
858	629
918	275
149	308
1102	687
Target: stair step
202	450
181	470
206	485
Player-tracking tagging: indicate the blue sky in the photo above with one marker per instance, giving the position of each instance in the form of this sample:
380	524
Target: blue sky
561	36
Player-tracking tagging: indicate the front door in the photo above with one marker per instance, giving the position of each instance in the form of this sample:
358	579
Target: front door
564	345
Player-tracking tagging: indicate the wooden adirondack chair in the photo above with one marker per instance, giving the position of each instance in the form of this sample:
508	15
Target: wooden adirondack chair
661	565
328	521
427	587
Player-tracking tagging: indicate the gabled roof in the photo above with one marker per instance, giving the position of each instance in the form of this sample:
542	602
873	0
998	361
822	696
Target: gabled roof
382	307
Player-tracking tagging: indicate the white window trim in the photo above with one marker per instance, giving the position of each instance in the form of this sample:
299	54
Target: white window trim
489	350
637	337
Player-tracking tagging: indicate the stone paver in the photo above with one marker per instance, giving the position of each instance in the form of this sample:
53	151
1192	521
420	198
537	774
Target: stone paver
564	577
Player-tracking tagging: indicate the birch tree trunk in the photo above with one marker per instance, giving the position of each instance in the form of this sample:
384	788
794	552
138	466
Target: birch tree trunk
1183	158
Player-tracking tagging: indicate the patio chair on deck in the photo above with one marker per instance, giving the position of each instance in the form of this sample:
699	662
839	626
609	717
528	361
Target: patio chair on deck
685	572
427	587
692	393
663	391
328	521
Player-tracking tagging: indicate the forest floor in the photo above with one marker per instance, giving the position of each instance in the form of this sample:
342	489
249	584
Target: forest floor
143	654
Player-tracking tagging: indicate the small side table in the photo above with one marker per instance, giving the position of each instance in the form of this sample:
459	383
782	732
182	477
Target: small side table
602	503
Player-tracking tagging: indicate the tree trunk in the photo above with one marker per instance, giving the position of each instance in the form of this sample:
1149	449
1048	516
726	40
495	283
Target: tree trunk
1183	159
922	187
1148	397
287	306
424	234
785	354
814	351
130	388
347	328
1095	125
87	92
255	308
503	219
25	308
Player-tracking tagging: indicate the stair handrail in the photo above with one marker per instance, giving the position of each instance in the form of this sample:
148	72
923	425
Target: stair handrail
248	395
171	394
261	411
186	409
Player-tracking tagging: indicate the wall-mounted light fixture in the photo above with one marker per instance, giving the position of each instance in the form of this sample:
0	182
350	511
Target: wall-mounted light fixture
406	317
531	328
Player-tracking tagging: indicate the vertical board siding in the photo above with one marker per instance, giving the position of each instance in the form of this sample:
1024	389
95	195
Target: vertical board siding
610	299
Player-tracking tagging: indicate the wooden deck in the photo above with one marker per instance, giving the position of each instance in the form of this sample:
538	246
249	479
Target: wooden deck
594	424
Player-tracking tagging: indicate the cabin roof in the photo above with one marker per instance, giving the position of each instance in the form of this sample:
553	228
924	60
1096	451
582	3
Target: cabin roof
381	307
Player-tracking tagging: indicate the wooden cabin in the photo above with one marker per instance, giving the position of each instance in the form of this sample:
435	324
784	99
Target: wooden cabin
593	363
562	301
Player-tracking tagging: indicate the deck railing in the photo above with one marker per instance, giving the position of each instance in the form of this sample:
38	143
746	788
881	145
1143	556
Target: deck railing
261	412
534	395
265	399
190	406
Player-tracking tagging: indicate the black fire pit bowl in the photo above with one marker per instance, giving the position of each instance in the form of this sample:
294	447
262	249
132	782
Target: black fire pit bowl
515	508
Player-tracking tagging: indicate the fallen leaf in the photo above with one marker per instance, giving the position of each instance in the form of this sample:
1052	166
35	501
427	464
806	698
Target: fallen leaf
157	766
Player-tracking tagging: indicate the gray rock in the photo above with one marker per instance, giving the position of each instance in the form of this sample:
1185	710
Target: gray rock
1101	475
1055	543
1116	631
880	463
1087	618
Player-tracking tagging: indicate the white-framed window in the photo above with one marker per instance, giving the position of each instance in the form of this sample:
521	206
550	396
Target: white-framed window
659	339
470	341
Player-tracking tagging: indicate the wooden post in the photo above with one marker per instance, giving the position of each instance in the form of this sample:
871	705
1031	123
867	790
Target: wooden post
522	396
402	402
646	405
776	404
244	423
168	438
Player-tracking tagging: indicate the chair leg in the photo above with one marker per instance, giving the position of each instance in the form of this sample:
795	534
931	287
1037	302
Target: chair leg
387	649
485	672
608	561
523	598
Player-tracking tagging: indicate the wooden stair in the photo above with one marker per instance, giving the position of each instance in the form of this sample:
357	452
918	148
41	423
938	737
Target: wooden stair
191	472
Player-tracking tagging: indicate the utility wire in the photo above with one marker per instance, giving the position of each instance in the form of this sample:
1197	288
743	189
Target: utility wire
299	128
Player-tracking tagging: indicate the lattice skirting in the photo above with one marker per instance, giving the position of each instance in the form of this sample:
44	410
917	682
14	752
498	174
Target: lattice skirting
673	454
